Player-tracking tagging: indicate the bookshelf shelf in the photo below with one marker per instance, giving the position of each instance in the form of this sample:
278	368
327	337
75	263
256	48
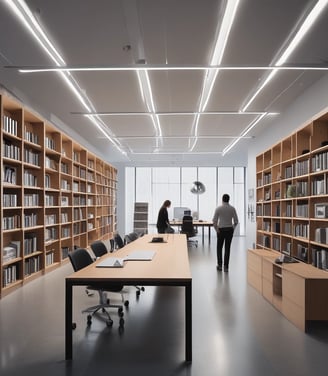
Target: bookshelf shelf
46	177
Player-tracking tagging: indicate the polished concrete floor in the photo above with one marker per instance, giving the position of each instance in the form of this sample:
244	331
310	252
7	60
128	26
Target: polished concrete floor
235	331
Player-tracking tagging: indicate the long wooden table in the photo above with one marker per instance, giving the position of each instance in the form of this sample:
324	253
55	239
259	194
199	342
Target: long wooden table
198	223
169	267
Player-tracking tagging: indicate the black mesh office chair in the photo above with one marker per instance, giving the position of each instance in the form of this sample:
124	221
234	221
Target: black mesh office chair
80	258
130	237
99	249
120	244
118	241
189	230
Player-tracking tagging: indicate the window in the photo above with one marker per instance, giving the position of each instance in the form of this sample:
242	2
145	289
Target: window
157	184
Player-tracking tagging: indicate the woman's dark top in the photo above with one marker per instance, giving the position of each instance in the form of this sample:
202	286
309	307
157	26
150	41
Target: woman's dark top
162	220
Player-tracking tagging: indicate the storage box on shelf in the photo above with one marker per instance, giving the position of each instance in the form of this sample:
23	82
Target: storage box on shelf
49	196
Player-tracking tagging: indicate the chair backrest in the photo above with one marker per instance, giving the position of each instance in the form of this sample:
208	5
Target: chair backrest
127	239
133	236
118	241
80	258
130	237
187	226
99	248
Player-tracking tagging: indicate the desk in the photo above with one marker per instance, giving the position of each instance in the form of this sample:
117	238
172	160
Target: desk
201	224
169	267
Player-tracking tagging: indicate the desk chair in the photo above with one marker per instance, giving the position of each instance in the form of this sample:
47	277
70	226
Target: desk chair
99	249
189	230
80	258
128	239
118	241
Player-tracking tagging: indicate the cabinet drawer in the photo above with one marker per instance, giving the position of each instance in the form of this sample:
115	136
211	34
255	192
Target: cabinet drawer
267	290
254	279
254	262
293	288
294	313
267	270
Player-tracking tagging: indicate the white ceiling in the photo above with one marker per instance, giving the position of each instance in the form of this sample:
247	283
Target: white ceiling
173	32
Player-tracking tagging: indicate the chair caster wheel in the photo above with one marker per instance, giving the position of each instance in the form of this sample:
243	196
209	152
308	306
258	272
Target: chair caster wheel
121	329
73	325
126	303
109	323
120	310
142	289
121	314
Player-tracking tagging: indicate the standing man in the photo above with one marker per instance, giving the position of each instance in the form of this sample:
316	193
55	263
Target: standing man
225	221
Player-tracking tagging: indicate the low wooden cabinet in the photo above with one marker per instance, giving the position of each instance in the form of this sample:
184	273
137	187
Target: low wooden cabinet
297	290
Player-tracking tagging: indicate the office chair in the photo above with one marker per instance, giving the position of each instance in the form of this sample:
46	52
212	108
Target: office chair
130	237
189	230
118	241
99	249
120	244
80	258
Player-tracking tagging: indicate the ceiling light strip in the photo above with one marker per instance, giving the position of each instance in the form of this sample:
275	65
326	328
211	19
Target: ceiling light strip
243	134
176	152
23	12
309	21
182	113
149	68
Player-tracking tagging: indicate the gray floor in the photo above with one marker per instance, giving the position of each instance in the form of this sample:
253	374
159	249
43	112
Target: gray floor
235	331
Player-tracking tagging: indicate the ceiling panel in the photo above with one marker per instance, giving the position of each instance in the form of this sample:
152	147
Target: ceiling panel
124	126
144	33
223	125
176	125
176	90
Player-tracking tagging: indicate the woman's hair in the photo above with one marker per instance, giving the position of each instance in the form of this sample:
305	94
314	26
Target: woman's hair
166	203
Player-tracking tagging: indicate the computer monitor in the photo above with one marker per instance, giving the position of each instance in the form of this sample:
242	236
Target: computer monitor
179	212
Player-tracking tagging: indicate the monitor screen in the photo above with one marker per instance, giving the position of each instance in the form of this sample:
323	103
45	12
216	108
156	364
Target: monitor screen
179	212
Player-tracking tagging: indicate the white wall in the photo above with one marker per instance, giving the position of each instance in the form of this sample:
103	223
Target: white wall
310	105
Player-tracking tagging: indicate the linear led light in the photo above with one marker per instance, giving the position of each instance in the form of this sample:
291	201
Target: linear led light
179	113
210	76
105	133
221	42
243	134
22	11
179	137
176	152
147	96
306	25
148	68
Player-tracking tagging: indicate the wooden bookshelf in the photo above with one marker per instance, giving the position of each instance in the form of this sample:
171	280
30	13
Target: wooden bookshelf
292	195
292	220
55	195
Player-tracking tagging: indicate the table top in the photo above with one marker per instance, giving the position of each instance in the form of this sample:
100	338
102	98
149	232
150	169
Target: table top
169	264
195	222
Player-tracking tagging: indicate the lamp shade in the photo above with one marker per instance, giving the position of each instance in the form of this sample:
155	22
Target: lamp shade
197	188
